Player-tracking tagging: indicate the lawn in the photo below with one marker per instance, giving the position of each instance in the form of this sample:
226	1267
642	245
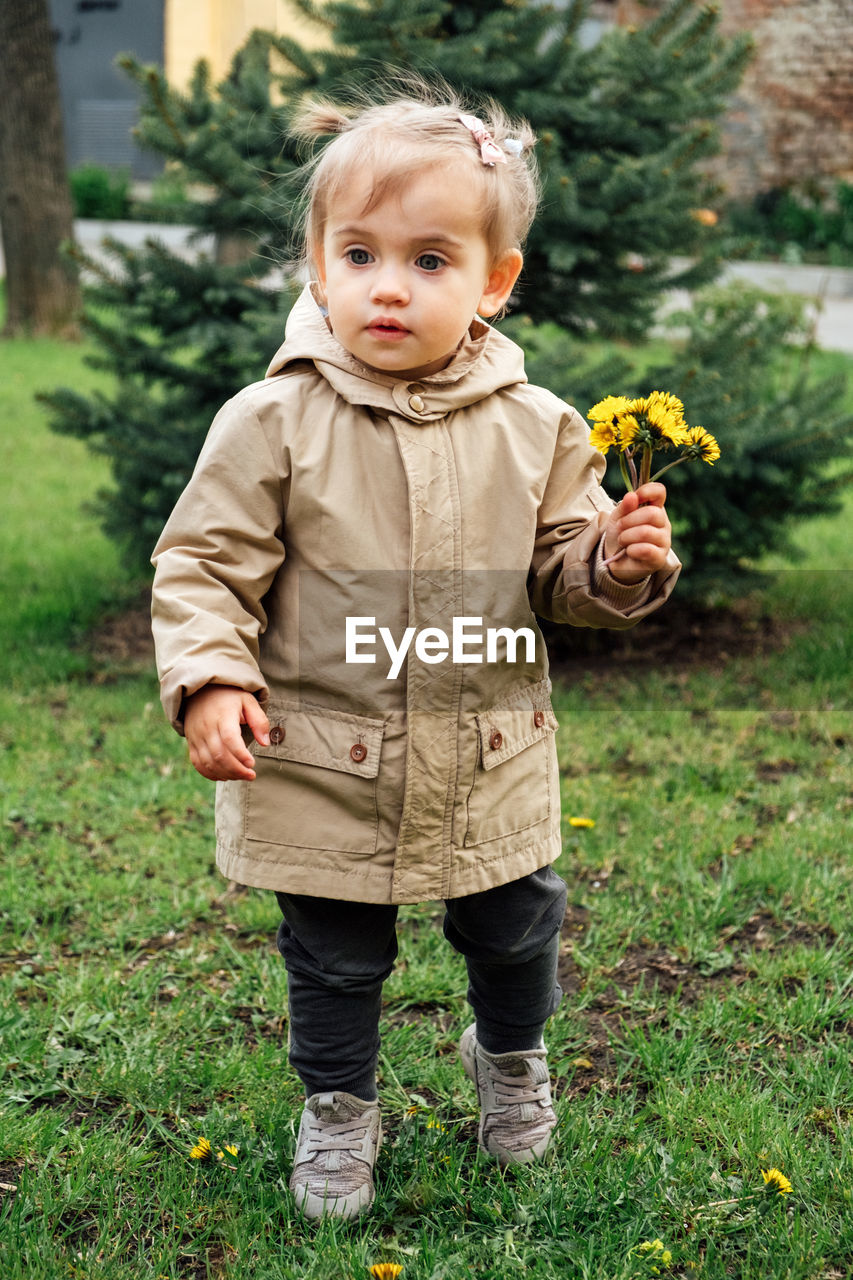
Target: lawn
706	1031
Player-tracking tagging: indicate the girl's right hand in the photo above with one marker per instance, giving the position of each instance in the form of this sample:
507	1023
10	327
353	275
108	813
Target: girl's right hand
212	720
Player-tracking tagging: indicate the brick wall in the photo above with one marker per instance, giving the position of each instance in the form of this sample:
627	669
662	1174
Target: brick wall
791	121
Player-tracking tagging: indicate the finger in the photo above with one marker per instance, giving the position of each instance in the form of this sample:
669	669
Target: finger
255	717
217	761
655	516
643	557
644	530
231	751
629	503
652	494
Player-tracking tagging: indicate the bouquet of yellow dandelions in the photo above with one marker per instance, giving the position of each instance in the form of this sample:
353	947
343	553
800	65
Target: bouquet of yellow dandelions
639	428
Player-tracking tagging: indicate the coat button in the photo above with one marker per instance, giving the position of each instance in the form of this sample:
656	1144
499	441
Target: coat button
276	734
417	404
539	718
358	752
496	740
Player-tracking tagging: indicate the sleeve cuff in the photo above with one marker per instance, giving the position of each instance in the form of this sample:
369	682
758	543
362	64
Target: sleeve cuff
619	595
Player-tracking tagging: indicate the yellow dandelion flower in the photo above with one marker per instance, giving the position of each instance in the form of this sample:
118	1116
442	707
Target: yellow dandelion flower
629	426
665	401
701	444
707	217
385	1270
581	822
775	1181
654	1251
603	435
663	414
202	1150
608	409
412	1110
434	1123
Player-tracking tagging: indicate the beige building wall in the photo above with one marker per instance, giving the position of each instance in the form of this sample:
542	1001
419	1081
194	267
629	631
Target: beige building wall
215	29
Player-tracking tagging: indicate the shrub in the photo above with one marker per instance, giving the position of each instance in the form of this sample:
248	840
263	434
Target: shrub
794	224
97	192
743	374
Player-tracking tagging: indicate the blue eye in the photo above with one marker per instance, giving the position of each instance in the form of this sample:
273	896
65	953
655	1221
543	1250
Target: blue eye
358	257
430	262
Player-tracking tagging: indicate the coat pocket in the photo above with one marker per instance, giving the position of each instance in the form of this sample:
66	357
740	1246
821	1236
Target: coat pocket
316	781
514	783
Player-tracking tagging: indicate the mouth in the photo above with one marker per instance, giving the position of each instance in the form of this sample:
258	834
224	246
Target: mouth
384	327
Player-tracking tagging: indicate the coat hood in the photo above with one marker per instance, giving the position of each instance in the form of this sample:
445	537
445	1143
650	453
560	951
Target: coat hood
487	361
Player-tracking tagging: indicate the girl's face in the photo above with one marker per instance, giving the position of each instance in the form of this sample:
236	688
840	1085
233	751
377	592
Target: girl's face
404	281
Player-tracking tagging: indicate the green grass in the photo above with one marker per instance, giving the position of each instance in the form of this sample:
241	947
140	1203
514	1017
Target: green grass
705	1032
57	571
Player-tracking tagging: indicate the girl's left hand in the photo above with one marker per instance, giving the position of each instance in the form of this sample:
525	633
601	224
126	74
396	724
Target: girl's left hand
639	527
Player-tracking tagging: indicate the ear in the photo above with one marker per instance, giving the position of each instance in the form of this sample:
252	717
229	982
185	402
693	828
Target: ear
500	283
319	261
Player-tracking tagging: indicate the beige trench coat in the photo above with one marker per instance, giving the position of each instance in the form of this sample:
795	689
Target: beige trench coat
327	493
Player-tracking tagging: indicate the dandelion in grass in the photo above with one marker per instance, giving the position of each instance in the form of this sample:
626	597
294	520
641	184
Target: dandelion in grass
582	822
654	1253
231	1151
435	1123
202	1150
385	1270
776	1182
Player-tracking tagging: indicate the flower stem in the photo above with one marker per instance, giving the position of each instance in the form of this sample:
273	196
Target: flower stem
624	469
669	467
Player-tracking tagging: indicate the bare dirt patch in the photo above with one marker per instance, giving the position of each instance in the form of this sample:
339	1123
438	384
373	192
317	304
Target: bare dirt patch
124	639
655	969
680	635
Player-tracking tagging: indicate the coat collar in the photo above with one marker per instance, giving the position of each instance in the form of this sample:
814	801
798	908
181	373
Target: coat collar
485	362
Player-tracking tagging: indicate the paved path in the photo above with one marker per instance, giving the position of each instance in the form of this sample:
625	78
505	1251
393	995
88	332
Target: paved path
830	289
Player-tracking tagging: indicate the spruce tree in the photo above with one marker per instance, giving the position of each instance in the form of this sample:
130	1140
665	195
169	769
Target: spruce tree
622	126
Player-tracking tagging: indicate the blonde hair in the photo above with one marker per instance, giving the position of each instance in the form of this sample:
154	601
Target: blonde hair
398	138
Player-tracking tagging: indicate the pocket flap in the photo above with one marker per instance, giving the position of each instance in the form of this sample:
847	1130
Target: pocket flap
510	727
318	735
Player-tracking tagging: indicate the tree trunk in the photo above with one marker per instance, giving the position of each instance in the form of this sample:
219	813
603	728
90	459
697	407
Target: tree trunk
42	291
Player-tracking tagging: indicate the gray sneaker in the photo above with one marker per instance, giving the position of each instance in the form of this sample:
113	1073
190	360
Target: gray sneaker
516	1116
339	1136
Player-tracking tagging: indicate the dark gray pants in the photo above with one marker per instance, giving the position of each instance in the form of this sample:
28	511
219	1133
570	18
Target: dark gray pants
338	954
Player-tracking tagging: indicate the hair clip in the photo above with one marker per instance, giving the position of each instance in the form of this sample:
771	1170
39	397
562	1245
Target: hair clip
490	152
513	146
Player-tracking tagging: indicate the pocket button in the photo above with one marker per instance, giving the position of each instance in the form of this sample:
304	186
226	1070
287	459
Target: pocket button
358	752
539	718
277	734
496	740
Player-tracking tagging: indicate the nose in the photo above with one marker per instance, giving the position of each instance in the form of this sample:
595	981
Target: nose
389	283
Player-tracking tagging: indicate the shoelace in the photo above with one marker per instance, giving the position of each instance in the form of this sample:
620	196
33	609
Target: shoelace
347	1136
514	1090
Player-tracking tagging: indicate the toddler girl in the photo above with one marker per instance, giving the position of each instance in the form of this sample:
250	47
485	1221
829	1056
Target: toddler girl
344	615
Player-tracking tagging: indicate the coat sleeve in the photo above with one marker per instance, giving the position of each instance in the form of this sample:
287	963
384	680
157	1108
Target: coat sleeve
215	561
568	582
